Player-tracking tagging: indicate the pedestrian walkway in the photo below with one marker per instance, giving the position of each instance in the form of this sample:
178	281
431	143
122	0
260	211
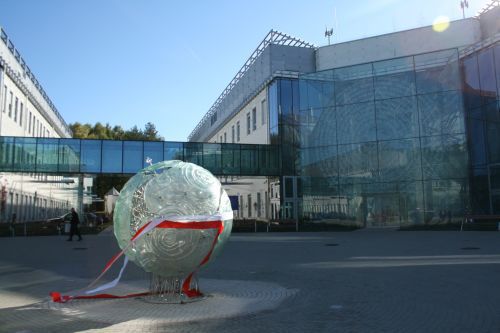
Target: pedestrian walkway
381	281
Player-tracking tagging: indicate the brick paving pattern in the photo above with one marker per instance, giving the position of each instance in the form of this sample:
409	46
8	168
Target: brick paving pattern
361	281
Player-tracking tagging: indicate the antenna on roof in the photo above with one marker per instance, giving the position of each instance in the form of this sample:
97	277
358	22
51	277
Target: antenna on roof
328	34
464	4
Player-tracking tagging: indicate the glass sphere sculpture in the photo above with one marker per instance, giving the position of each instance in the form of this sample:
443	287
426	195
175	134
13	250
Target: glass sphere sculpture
166	190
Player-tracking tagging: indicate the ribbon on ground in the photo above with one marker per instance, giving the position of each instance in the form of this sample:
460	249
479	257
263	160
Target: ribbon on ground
195	222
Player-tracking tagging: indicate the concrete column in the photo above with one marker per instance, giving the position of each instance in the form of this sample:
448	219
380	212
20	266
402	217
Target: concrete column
79	207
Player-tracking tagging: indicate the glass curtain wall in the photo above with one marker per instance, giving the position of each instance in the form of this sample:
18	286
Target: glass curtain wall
481	89
51	155
383	143
284	124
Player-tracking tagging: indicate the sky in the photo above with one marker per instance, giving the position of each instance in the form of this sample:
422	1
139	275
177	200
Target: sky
129	62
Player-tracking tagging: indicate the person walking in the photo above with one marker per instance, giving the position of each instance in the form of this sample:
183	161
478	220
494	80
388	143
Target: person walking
74	226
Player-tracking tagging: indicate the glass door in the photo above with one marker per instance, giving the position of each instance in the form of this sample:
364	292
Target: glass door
494	185
382	210
290	199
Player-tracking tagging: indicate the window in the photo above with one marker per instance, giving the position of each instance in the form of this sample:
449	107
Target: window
225	137
254	119
33	130
220	139
30	210
266	200
29	122
249	205
238	131
21	115
232	134
16	207
10	104
37	128
258	204
4	98
248	123
24	202
263	111
15	109
11	200
240	205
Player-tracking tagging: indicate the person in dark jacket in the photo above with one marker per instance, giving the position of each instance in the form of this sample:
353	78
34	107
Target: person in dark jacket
74	226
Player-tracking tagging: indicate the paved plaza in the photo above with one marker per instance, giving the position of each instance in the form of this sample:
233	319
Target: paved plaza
359	281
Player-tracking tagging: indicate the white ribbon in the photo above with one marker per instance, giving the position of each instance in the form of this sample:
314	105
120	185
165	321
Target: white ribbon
154	223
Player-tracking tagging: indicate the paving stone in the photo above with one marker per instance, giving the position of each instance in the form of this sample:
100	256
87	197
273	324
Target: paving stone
372	281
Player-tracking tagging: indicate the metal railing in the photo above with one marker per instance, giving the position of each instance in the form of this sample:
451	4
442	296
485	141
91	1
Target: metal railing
273	37
16	78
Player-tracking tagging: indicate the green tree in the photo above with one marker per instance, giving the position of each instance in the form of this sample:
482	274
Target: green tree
134	134
80	131
150	132
119	132
100	131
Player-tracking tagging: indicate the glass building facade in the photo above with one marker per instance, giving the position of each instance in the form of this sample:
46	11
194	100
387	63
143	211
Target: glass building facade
390	143
403	141
481	90
53	155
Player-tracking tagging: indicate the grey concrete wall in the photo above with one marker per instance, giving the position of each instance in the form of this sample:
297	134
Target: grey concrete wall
295	59
490	22
273	58
399	44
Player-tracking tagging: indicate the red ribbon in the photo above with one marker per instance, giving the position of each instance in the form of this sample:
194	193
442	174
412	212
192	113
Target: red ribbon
186	286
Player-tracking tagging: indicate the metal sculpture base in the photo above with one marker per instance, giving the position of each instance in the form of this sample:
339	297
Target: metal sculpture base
168	290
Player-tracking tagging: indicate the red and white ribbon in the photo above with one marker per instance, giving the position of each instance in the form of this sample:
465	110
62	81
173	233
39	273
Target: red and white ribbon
195	222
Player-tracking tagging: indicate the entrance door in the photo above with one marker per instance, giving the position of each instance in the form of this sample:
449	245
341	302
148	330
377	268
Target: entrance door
290	200
382	210
494	185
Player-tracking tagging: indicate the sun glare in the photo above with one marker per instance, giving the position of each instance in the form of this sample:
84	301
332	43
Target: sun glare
441	23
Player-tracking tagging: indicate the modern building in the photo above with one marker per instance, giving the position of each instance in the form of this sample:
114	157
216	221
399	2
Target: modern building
396	129
241	115
27	111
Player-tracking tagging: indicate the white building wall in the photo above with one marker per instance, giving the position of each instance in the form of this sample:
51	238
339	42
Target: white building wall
253	193
459	34
26	111
18	116
257	135
19	73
